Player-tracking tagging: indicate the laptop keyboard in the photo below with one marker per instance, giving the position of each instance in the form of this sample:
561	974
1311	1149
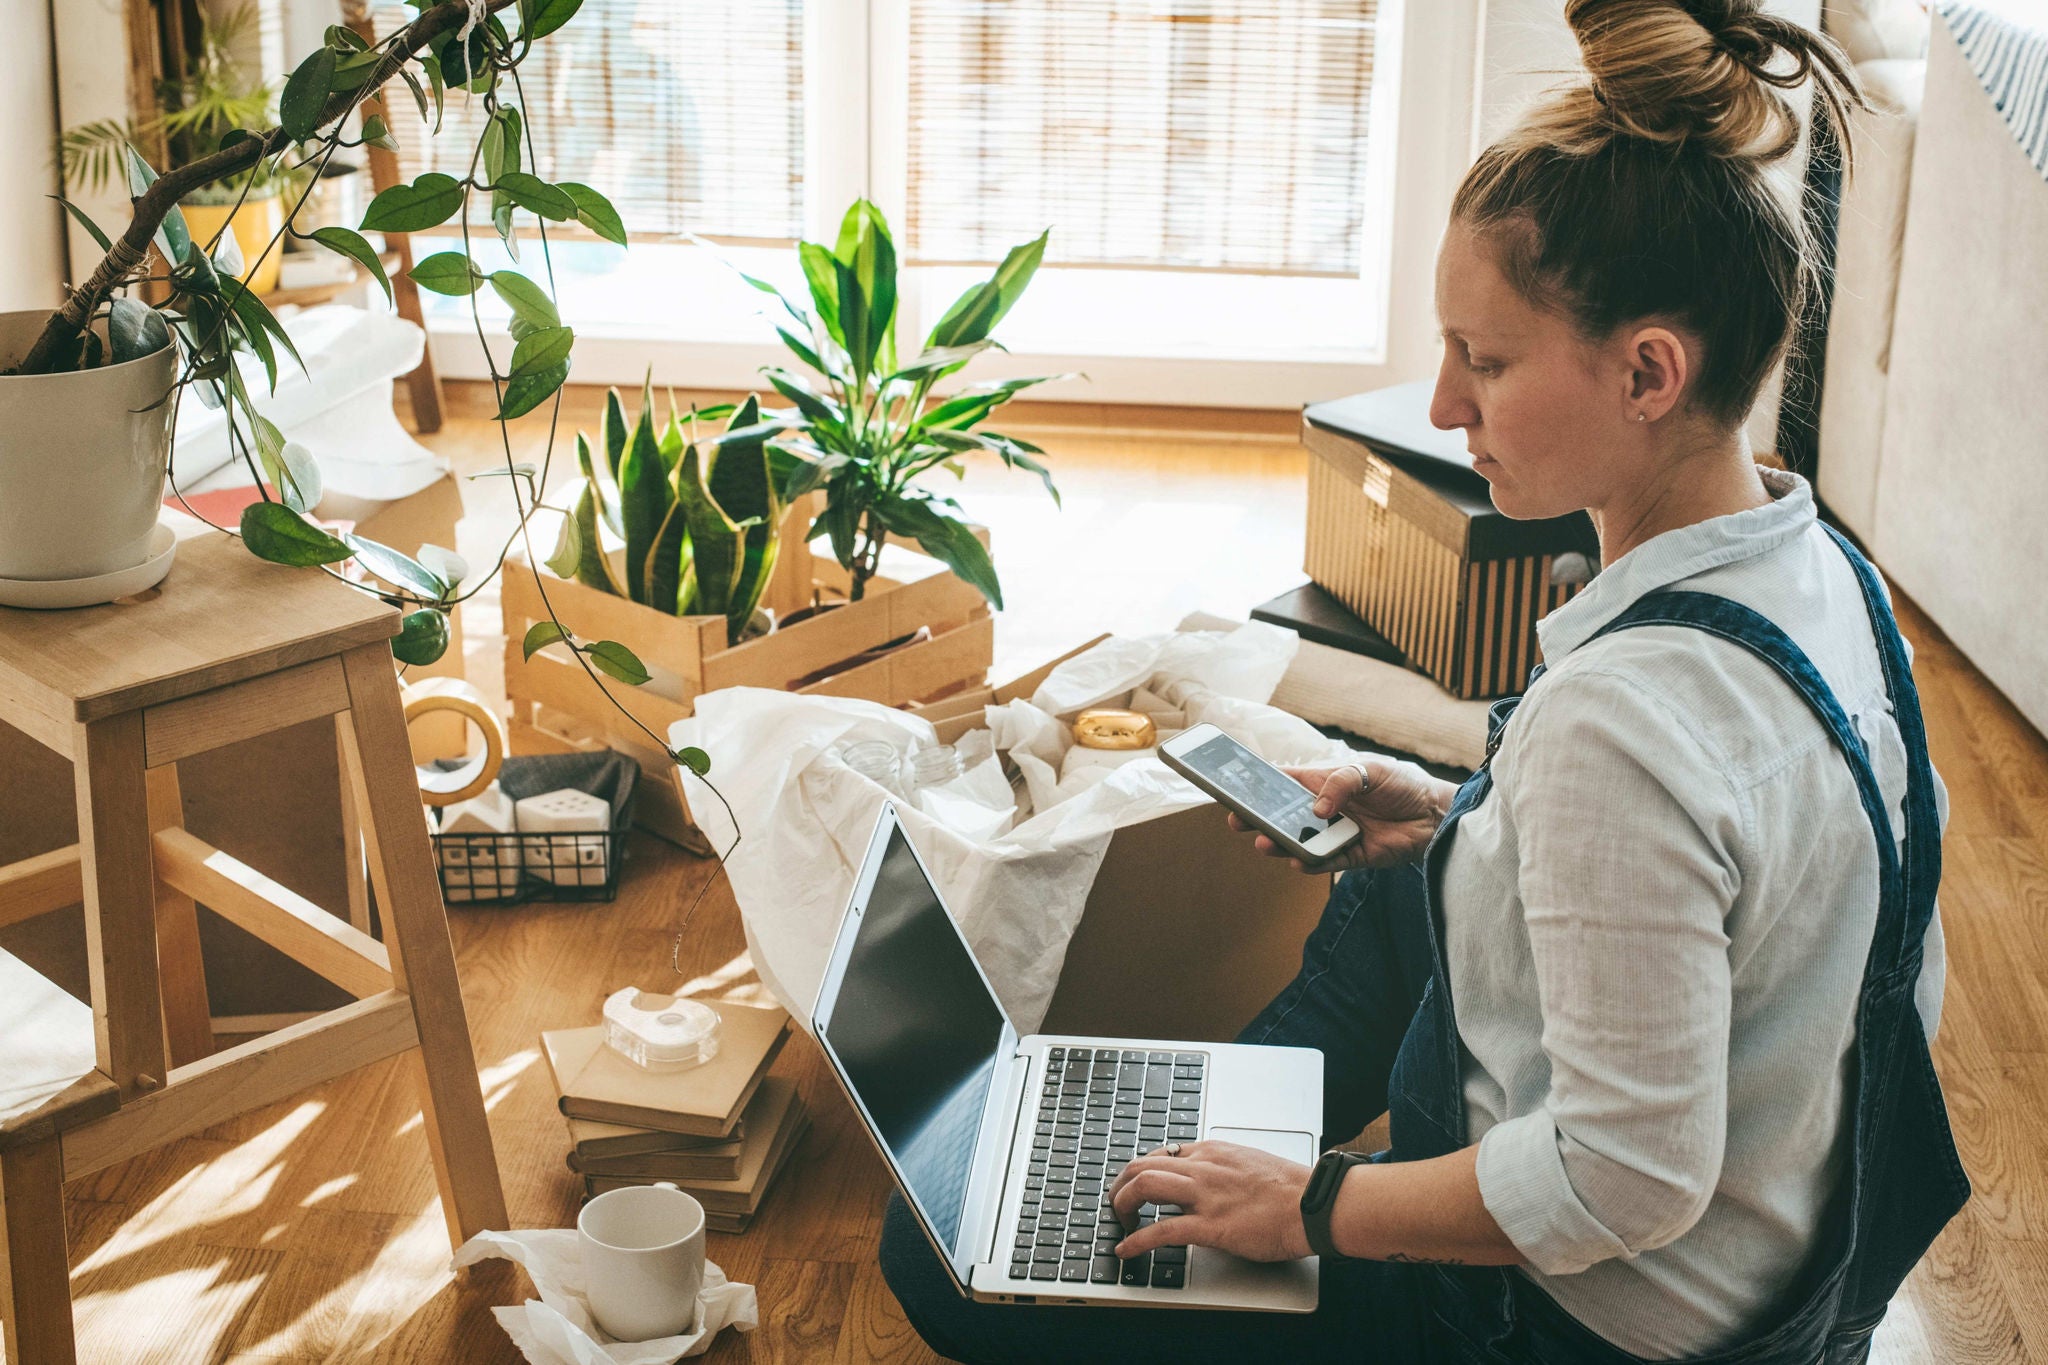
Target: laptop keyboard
1099	1108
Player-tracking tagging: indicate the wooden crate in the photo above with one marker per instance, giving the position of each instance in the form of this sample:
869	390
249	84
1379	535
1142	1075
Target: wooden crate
556	705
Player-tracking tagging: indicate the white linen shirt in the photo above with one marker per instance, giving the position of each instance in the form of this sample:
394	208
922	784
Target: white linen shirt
1656	928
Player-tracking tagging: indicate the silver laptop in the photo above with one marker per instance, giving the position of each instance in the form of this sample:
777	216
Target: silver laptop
1006	1147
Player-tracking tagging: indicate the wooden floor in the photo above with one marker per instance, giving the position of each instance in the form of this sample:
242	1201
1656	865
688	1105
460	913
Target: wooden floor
309	1231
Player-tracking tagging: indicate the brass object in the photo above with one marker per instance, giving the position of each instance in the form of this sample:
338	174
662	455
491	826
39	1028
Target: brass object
1107	728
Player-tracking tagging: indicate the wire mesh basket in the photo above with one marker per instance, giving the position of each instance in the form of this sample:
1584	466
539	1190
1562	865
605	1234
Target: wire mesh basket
511	869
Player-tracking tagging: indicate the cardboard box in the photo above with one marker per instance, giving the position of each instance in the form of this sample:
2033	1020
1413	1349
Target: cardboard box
1188	932
1402	531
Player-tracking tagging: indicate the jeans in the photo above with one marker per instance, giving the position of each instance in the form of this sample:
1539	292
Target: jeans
1362	972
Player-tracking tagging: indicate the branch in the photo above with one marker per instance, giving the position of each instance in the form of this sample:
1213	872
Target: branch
156	203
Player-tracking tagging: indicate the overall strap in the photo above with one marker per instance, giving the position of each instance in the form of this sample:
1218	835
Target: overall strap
1922	859
1758	634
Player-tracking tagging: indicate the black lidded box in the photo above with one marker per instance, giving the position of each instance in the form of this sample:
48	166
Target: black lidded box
1404	533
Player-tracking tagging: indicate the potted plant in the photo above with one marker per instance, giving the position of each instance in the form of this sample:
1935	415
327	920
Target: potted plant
870	420
215	97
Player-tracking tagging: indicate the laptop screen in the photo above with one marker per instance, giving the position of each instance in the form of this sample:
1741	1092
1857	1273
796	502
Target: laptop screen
916	1031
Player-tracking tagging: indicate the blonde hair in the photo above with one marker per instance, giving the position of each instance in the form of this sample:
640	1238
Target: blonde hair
1642	191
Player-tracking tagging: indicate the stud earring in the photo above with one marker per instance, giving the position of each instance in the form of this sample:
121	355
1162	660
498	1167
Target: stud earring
1642	417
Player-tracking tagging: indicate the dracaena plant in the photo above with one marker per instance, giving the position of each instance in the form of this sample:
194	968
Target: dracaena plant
474	46
871	422
698	513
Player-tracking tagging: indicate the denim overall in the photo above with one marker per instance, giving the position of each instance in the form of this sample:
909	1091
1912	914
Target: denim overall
1903	1179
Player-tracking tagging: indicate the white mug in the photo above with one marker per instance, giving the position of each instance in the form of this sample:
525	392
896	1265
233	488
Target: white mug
643	1260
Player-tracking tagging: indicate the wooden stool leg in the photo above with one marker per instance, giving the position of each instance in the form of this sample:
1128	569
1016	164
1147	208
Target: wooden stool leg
188	1015
352	827
120	902
422	956
34	1274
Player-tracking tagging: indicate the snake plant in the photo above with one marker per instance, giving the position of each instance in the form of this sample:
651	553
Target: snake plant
698	516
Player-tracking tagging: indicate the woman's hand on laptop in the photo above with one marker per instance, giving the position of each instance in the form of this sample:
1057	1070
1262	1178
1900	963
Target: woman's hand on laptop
1237	1199
1395	804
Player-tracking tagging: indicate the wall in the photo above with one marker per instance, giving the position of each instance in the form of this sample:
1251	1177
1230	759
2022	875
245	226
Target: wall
31	225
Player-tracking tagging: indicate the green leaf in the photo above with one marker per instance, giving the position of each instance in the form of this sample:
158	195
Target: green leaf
696	760
293	473
422	637
868	254
352	70
940	359
593	567
258	318
83	221
525	298
945	539
350	243
533	193
399	570
377	133
427	202
448	272
622	663
341	36
716	543
595	211
542	350
821	272
135	330
274	532
539	18
975	313
541	634
644	497
815	407
568	551
305	94
419	94
500	143
524	393
172	237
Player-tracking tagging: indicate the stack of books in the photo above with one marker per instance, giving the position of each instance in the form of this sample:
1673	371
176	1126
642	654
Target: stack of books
723	1130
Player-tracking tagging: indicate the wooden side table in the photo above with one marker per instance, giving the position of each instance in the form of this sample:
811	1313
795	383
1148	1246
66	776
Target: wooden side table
227	649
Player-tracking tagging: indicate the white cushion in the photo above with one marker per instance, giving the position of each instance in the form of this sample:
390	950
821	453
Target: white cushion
1869	30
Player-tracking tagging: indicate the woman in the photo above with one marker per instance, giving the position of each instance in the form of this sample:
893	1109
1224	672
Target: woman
1649	997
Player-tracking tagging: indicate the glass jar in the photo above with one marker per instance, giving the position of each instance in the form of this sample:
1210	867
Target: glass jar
878	761
936	766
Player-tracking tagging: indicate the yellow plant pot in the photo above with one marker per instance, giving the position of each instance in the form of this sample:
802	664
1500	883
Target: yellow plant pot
254	223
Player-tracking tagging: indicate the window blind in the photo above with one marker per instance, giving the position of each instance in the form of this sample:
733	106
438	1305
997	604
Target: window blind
686	114
1219	135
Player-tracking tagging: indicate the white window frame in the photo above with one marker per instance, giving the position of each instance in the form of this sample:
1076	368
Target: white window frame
1425	66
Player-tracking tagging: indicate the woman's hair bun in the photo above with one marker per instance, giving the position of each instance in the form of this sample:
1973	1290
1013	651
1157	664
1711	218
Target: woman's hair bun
1708	73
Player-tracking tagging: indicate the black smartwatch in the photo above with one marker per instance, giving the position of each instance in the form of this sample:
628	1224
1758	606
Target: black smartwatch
1320	1199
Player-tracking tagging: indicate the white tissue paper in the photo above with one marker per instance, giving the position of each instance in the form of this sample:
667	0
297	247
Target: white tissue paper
1016	869
556	1328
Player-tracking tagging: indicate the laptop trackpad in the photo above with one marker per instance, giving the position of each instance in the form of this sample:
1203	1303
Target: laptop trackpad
1295	1147
1278	1286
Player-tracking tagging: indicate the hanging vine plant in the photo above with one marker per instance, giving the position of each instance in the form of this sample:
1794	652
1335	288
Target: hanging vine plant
473	46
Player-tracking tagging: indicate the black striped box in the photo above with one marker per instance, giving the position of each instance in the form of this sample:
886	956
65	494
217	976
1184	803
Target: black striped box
1402	531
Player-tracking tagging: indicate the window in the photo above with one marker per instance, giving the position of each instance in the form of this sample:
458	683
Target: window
1203	135
1219	177
687	114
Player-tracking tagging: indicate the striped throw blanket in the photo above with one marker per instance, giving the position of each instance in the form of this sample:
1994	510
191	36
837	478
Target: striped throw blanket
2006	44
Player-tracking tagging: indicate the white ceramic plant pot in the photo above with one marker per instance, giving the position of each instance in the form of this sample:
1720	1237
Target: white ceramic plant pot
82	460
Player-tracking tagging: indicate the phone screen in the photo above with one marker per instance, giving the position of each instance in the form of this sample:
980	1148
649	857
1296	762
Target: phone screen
1258	785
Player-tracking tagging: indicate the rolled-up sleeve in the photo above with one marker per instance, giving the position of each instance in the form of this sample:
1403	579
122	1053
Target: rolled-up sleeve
1627	831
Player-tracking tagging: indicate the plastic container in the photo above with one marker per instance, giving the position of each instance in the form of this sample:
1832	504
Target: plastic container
660	1032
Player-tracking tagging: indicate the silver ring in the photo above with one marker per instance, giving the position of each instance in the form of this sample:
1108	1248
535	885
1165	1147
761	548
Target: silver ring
1171	1149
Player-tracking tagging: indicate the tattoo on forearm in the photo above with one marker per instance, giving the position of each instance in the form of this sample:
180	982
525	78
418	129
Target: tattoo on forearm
1405	1259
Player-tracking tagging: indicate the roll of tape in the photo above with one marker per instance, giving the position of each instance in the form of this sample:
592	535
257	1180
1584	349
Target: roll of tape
478	770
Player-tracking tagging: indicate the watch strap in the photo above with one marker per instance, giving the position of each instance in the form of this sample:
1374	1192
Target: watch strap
1319	1200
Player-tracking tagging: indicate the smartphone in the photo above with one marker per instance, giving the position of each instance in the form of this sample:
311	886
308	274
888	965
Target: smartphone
1259	792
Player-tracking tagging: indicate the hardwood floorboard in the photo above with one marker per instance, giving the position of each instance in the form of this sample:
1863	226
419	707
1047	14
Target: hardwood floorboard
310	1230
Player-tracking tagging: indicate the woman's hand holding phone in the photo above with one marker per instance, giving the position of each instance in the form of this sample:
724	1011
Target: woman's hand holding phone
1395	804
